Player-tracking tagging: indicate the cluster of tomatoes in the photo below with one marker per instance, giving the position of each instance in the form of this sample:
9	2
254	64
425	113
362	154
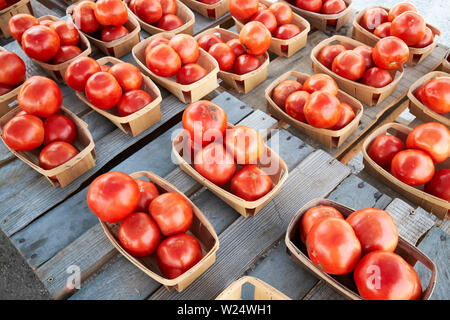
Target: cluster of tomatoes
435	94
314	102
46	41
106	17
40	98
149	220
427	145
364	242
12	71
7	3
401	21
161	13
322	6
217	151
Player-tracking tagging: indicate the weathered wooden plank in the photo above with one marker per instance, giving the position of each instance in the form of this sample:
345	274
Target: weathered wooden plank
322	291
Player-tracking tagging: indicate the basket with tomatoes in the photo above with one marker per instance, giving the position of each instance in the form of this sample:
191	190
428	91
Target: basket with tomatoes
10	8
107	25
179	64
45	135
289	31
157	16
12	75
429	98
414	162
357	252
212	9
329	117
155	226
262	290
233	162
402	21
368	74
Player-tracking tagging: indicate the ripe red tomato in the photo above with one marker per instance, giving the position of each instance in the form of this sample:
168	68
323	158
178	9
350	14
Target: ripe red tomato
366	52
313	215
246	63
186	47
23	133
382	275
155	42
320	82
439	186
376	77
333	246
350	65
383	149
286	31
148	192
390	53
399	8
224	55
113	196
12	71
68	34
169	22
59	128
427	39
245	144
436	94
103	90
251	183
237	47
40	96
410	27
333	7
295	104
4	89
413	167
373	18
139	235
3	4
283	13
431	137
128	76
111	33
105	68
322	110
190	73
55	154
19	23
383	30
65	53
83	17
111	12
79	71
133	101
172	213
163	60
150	11
243	9
328	53
255	38
206	41
267	18
347	114
215	163
283	90
40	43
177	254
309	5
168	7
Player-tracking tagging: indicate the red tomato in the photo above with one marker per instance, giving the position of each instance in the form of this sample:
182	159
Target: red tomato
3	4
383	30
333	246
255	38
413	167
376	77
168	7
65	53
139	235
237	47
46	22
163	60
390	53
246	63
383	149
283	90
295	104
399	8
105	68
19	23
113	196
12	71
309	5
436	94
427	39
68	34
83	16
347	115
283	13
373	17
375	229
79	71
177	254
172	213
286	31
59	128
366	52
322	110
133	101
111	12
40	96
169	22
431	137
148	192
206	41
245	144
111	33
320	82
410	27
328	53
155	42
215	163
243	9
128	76
267	18
251	183
190	73
382	275
439	186
103	90
350	65
55	154
23	133
40	43
224	55
313	215
333	7
4	89
150	11
186	47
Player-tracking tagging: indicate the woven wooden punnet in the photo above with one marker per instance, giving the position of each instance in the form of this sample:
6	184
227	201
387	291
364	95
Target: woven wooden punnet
211	11
445	64
201	229
6	100
261	290
344	284
23	6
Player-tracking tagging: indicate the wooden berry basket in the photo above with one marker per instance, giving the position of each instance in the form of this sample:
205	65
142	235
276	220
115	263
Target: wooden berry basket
138	121
420	110
212	11
344	284
23	6
319	20
7	99
187	93
270	160
119	47
72	169
416	55
445	65
366	94
201	229
329	138
241	83
435	205
262	291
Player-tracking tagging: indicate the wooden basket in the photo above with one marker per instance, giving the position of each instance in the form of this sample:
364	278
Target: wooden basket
329	138
183	12
319	20
119	47
23	6
445	65
72	169
280	47
261	290
201	228
212	11
138	121
241	83
7	99
245	208
344	284
366	94
435	205
416	55
187	93
420	110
